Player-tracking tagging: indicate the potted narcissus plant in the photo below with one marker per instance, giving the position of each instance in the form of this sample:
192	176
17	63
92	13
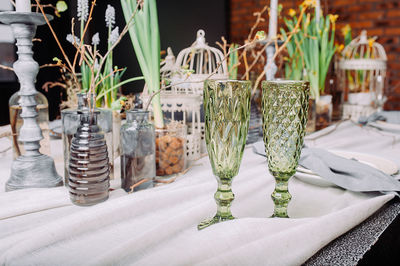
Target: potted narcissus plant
309	56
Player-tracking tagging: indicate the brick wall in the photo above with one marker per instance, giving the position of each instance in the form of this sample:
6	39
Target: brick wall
380	18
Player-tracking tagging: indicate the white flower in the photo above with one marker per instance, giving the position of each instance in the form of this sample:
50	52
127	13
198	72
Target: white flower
114	35
72	39
110	16
96	65
83	10
96	39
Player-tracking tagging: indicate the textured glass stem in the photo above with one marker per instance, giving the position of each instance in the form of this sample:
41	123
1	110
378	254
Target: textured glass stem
224	197
281	196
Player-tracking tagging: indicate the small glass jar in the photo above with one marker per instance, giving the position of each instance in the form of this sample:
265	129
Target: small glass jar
70	123
16	122
137	147
89	170
171	149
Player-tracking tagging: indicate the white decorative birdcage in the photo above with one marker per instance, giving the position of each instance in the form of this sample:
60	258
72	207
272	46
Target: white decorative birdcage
182	101
195	64
362	73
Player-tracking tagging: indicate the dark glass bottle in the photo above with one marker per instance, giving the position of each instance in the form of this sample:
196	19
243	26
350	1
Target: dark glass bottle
137	145
89	171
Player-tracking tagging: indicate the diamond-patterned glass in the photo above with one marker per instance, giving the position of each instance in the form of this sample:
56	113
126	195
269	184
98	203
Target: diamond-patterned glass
227	115
285	107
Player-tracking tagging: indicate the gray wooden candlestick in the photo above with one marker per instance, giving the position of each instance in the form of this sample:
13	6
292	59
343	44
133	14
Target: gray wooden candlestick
33	169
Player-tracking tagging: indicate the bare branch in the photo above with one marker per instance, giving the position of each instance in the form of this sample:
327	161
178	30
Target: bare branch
6	67
58	43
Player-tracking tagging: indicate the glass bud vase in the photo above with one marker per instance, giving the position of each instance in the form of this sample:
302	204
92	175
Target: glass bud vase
89	171
70	123
137	147
16	122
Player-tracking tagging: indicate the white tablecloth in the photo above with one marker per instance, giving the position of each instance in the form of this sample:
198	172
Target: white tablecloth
158	226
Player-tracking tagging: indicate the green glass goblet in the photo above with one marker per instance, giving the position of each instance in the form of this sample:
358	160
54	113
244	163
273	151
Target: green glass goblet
227	115
284	108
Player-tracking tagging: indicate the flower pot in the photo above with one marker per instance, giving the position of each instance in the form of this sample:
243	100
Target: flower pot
171	149
323	112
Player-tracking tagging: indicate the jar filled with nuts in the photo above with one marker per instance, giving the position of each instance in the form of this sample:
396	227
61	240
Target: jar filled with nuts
171	149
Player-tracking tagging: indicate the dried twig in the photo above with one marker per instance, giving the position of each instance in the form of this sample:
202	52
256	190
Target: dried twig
256	58
50	84
132	188
278	51
6	67
69	67
258	20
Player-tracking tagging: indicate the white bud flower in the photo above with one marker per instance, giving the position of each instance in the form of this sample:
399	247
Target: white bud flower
110	16
83	10
73	40
114	35
96	39
96	65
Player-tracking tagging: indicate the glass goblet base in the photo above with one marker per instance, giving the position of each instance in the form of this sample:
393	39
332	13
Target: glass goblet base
281	196
216	219
223	197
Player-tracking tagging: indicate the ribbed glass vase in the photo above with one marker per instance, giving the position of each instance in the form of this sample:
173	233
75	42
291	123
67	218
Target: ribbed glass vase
89	170
70	122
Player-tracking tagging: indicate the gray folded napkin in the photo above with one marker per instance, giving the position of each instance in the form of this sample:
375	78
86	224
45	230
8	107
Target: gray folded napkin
348	174
392	117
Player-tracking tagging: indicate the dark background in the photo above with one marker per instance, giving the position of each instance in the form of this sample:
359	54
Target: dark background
179	21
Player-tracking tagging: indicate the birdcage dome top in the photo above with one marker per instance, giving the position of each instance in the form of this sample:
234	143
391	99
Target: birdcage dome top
196	63
363	53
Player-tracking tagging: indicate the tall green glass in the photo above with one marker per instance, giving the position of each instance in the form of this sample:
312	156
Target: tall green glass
285	109
227	115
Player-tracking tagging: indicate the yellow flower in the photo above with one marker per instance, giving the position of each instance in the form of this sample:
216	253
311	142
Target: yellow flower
371	42
333	18
309	3
346	29
292	12
340	48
